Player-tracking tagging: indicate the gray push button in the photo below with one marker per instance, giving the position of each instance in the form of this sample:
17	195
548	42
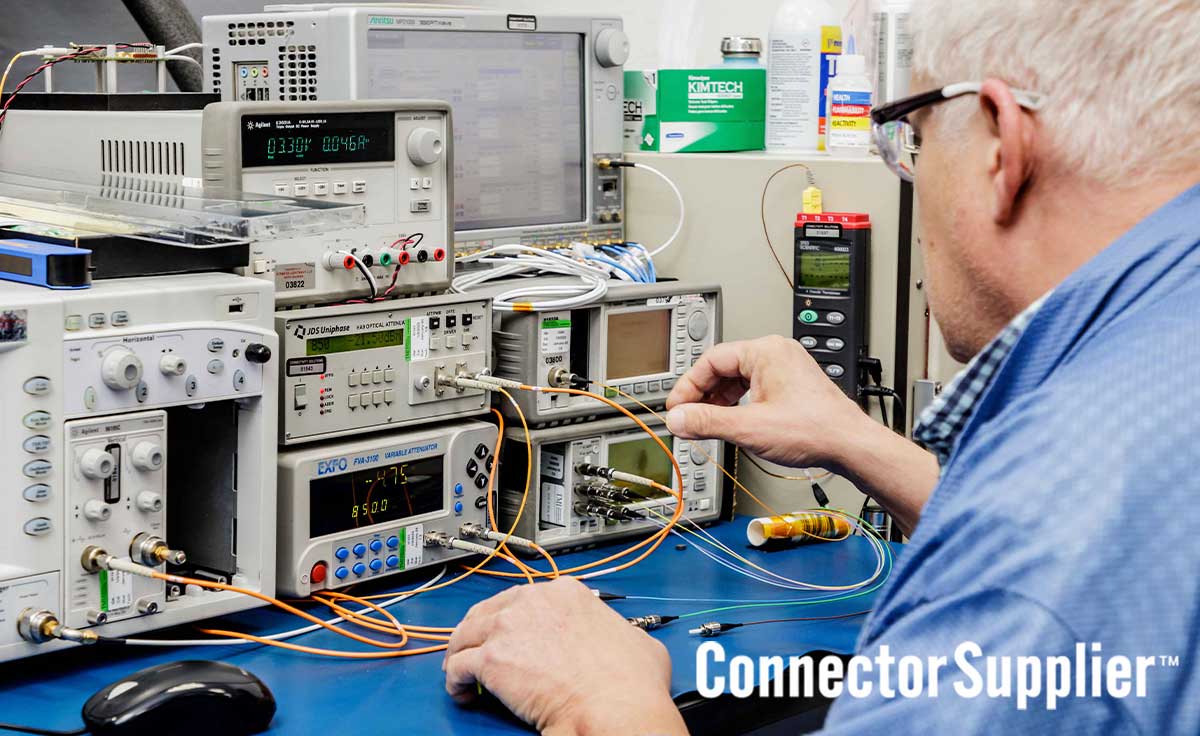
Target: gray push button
808	342
36	420
835	318
37	468
37	386
216	345
835	343
37	493
37	443
215	366
38	526
833	370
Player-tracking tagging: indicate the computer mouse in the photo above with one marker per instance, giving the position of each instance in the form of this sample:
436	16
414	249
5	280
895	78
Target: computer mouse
189	697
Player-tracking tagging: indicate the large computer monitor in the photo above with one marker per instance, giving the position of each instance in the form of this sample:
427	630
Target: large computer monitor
537	100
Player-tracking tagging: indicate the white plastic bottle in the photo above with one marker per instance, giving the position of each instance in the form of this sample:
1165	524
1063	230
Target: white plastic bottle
849	125
799	33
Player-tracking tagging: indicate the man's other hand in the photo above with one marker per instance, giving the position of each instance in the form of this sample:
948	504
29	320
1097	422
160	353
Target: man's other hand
564	661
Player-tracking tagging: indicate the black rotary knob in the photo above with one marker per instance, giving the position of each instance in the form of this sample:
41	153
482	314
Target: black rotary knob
256	352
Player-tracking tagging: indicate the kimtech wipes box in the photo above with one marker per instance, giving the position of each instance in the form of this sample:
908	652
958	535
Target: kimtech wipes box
685	110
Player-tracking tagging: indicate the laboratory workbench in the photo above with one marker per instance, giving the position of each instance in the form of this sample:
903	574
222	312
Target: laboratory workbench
406	695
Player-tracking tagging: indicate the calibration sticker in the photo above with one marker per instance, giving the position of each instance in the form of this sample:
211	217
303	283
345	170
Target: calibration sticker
556	335
417	347
295	276
116	590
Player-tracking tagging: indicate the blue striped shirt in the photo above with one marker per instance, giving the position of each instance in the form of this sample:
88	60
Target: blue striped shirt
938	427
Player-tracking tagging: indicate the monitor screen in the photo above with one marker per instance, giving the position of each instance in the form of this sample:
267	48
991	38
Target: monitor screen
517	101
374	496
643	457
639	343
824	270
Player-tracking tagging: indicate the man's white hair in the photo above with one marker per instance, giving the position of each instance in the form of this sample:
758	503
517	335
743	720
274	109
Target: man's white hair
1120	76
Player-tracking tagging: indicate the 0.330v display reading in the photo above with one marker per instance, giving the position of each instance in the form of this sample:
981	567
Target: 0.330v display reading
333	138
300	146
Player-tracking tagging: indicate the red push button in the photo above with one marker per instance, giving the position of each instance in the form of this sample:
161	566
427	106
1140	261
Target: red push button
318	573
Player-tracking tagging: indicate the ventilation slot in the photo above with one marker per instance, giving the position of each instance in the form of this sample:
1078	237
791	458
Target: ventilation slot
215	74
298	72
153	158
256	33
141	191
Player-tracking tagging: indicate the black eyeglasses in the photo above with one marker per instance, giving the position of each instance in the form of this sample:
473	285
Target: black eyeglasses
894	136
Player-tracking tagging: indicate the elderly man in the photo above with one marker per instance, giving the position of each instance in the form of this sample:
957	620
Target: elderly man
1055	502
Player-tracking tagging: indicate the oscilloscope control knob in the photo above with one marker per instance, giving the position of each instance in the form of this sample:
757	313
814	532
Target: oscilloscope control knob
147	456
697	326
96	463
256	352
149	501
172	365
612	47
425	146
96	510
120	368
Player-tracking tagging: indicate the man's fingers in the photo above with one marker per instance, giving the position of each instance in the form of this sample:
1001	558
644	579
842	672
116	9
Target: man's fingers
725	361
463	674
474	627
705	421
472	631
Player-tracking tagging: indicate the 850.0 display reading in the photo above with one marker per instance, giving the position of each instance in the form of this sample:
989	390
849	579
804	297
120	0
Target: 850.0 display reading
374	496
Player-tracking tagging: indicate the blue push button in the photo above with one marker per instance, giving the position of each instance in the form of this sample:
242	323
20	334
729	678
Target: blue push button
458	489
360	549
359	568
341	573
376	564
393	542
393	561
341	553
458	507
376	545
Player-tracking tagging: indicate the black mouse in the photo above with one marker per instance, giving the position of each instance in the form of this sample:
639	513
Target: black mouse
184	698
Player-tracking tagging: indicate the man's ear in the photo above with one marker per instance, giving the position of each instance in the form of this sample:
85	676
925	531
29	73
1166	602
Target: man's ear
1011	162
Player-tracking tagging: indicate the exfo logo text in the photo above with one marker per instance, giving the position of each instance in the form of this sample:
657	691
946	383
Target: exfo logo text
336	465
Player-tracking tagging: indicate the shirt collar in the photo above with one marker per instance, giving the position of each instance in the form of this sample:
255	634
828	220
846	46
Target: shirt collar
940	424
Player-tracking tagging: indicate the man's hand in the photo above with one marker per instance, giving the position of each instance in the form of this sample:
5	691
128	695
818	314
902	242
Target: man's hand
564	661
794	415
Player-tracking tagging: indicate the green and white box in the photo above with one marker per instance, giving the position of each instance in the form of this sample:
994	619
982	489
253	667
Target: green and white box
684	110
